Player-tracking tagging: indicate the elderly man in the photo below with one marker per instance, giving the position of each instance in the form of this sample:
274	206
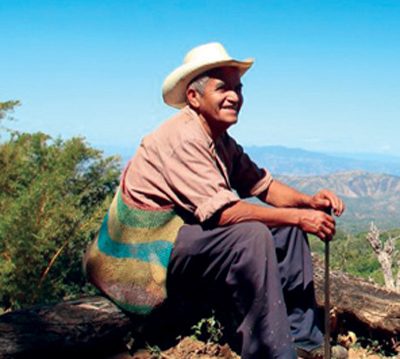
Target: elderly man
178	223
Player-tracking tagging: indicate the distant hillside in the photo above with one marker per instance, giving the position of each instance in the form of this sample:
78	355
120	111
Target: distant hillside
299	162
354	184
368	196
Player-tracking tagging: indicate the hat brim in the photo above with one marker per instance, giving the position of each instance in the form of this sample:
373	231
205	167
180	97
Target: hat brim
175	84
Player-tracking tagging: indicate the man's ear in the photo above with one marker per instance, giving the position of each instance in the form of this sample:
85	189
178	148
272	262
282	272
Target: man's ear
192	97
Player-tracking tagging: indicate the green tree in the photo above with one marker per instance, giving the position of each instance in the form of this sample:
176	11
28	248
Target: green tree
5	109
351	254
53	196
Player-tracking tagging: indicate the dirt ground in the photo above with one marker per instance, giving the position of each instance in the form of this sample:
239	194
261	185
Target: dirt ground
189	348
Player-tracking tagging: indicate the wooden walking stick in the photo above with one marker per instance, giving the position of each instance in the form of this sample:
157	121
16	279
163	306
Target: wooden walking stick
327	303
327	338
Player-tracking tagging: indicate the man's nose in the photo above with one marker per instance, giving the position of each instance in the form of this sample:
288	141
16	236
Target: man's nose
233	96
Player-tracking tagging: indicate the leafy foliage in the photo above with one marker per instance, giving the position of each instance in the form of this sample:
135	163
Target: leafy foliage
53	195
6	107
208	329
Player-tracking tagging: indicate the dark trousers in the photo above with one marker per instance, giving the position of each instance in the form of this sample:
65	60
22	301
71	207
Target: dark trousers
265	275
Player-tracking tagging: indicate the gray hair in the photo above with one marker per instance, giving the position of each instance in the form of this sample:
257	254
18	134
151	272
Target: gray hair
198	83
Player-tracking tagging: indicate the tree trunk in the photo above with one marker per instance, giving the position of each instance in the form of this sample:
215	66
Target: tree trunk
95	327
385	253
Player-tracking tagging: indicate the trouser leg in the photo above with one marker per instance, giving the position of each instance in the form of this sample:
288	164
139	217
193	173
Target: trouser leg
238	260
295	265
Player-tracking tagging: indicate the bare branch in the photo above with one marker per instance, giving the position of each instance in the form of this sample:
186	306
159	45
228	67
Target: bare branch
373	238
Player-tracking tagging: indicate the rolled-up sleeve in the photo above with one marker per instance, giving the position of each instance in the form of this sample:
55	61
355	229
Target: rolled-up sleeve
193	175
215	203
262	185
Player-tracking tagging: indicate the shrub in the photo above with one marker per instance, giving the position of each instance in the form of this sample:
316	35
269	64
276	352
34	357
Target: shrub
53	195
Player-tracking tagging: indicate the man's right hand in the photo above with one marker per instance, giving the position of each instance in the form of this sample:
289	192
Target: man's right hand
317	222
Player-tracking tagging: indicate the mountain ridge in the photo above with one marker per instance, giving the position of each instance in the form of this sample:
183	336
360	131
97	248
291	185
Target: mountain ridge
296	161
352	184
369	197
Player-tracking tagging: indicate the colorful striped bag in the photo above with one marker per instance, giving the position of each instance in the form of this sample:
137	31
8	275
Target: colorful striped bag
128	259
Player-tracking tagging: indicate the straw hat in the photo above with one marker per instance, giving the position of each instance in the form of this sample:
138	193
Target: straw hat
197	61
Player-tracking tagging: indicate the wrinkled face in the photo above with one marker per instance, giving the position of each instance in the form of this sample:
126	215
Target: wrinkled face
221	100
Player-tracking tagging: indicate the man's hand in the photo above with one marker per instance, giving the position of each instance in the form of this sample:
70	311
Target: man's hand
317	222
325	199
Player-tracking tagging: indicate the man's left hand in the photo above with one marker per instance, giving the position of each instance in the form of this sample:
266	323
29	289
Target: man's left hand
326	199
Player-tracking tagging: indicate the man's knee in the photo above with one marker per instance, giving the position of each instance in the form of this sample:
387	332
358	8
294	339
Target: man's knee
289	236
253	232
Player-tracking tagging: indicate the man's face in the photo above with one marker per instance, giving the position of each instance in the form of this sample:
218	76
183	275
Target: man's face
222	98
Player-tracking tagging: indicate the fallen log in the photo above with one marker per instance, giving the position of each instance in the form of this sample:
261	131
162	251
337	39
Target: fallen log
73	329
96	327
358	302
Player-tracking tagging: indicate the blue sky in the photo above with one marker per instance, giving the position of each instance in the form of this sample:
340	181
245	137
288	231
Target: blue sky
326	76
